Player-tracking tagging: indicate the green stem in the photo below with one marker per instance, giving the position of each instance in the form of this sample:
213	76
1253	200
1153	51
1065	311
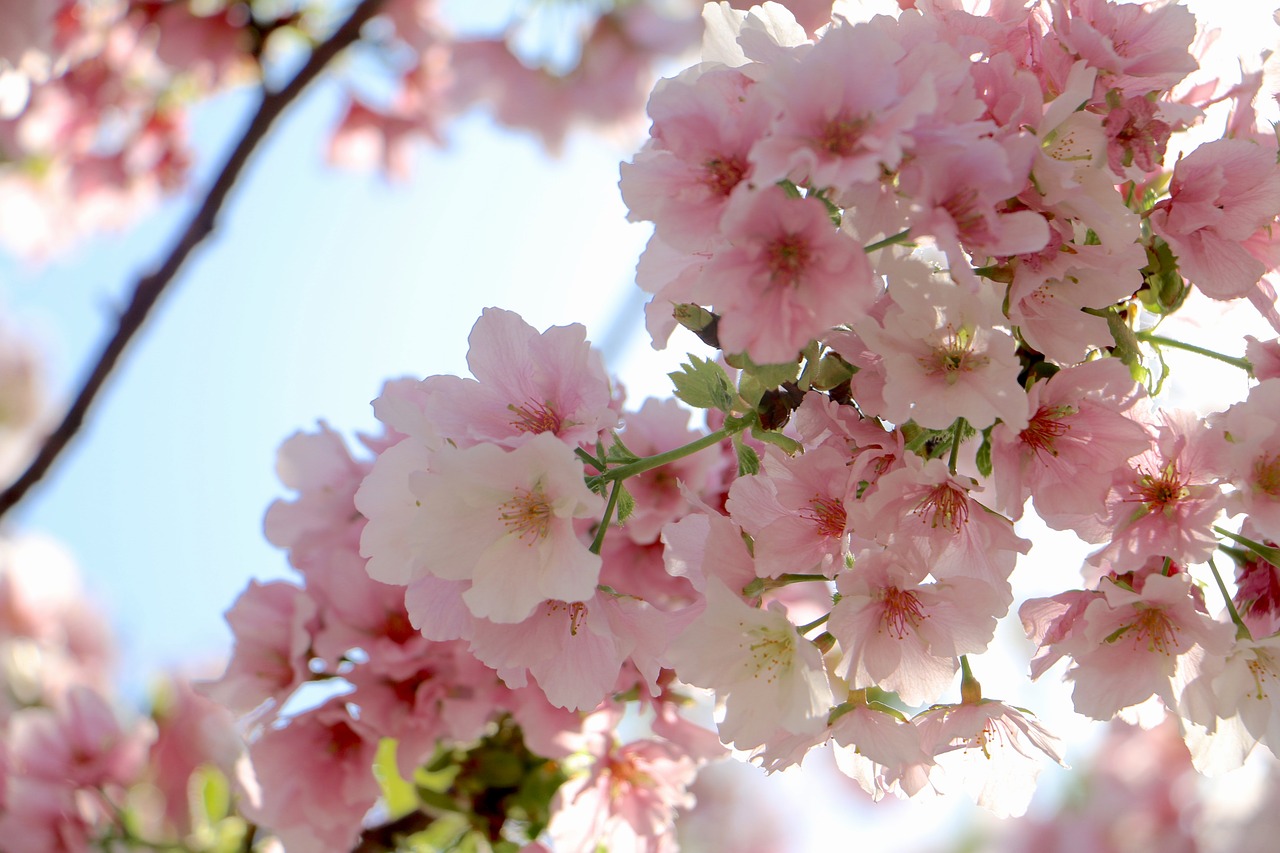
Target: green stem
1242	630
1266	552
958	430
821	620
1160	340
900	237
589	459
761	585
598	542
648	463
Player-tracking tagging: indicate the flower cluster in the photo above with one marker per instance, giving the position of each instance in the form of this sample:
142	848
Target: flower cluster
931	249
95	94
74	775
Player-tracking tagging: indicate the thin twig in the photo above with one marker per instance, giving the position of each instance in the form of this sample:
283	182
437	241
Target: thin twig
149	288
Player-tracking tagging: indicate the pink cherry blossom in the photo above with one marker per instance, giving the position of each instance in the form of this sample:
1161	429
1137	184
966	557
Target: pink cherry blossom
1221	194
704	124
879	750
958	187
844	110
993	750
505	522
787	277
79	744
944	358
526	383
314	779
795	512
1251	456
1139	48
923	505
575	651
767	675
1165	501
1136	645
272	623
903	635
627	800
1231	703
1045	299
1076	437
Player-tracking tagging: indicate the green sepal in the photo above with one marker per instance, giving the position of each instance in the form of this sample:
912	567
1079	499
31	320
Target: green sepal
777	439
756	379
984	452
748	459
832	370
1165	289
619	453
1127	348
626	504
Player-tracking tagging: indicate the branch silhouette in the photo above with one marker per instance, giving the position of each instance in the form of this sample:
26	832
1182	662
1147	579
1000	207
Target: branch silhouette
150	287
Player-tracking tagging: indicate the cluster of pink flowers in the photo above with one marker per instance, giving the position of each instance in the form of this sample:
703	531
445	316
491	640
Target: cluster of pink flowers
75	774
95	94
923	244
448	586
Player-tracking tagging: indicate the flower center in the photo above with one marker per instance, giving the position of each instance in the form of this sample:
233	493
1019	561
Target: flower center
771	650
945	505
723	174
842	136
962	207
1263	668
577	611
1045	428
1155	626
901	611
828	515
535	418
1161	492
952	357
527	514
1266	475
787	258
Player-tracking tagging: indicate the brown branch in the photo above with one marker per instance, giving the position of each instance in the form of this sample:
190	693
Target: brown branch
149	288
379	839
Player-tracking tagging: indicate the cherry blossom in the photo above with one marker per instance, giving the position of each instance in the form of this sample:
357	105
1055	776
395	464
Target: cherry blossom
768	676
505	522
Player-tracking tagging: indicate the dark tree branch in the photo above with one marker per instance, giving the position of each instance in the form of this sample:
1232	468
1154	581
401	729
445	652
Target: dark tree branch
379	839
149	288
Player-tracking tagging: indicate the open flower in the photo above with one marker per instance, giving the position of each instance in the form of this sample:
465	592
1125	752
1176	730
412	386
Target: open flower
505	522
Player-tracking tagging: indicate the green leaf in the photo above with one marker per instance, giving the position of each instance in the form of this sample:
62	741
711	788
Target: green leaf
215	793
703	384
777	439
984	452
399	794
626	504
